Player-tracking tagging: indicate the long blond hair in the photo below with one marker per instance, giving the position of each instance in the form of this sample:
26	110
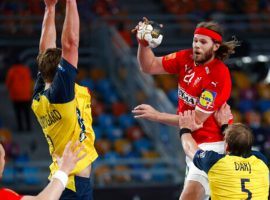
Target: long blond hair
226	48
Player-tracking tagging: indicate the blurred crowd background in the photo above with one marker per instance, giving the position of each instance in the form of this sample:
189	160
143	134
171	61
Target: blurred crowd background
132	153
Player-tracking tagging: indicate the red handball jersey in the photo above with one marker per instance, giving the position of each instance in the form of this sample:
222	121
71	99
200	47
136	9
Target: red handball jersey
6	194
203	87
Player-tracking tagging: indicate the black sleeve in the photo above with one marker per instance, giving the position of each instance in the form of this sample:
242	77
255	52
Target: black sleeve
260	156
62	87
39	85
204	160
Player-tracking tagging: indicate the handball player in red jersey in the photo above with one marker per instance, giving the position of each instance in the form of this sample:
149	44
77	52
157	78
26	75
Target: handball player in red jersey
204	85
58	183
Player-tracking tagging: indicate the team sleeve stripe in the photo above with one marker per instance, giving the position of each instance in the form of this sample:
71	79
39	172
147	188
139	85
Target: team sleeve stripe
204	111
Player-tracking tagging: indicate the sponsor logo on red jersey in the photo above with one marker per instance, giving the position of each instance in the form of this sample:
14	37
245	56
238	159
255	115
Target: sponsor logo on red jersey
187	98
207	99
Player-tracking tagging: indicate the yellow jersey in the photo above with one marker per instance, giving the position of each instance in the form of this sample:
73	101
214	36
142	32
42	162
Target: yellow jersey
64	113
233	177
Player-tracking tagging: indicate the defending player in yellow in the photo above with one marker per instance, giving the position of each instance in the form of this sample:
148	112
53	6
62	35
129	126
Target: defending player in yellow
240	173
61	106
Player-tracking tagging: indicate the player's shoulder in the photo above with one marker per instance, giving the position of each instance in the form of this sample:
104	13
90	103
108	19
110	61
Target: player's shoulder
209	154
64	66
260	156
205	160
180	54
220	65
219	70
186	52
184	55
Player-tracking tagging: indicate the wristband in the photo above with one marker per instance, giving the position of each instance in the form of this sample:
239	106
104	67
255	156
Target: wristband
223	128
61	176
183	131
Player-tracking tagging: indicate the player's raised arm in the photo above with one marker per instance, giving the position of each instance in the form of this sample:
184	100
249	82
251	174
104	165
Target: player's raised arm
148	62
70	33
48	33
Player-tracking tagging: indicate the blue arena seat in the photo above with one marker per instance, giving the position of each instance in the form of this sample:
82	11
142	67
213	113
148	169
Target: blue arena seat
126	120
113	133
143	144
105	120
8	175
30	175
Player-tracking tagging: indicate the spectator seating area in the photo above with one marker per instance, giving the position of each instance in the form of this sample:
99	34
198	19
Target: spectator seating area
118	135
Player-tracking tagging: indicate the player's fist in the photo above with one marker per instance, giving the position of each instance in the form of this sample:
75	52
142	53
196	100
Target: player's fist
187	119
224	115
149	33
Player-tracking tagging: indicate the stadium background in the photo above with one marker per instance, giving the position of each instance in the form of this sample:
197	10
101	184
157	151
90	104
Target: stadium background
138	159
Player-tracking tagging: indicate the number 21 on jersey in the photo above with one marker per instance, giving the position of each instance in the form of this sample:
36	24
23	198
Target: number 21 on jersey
188	78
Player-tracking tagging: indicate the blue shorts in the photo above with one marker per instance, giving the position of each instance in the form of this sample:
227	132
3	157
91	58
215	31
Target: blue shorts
84	190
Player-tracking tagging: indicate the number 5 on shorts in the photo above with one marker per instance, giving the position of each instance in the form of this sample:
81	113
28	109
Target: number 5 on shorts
244	189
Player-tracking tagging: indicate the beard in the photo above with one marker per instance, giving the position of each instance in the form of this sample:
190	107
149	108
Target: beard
203	58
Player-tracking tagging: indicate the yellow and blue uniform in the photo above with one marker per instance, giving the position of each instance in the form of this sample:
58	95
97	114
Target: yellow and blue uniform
233	177
64	113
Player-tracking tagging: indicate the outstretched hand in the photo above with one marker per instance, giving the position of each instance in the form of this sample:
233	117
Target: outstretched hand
145	21
145	111
187	119
50	3
223	115
148	33
70	157
139	27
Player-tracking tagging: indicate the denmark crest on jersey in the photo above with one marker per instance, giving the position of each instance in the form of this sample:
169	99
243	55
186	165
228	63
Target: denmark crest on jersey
207	99
202	154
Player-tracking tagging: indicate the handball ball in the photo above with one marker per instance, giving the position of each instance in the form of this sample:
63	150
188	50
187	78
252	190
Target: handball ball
150	33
